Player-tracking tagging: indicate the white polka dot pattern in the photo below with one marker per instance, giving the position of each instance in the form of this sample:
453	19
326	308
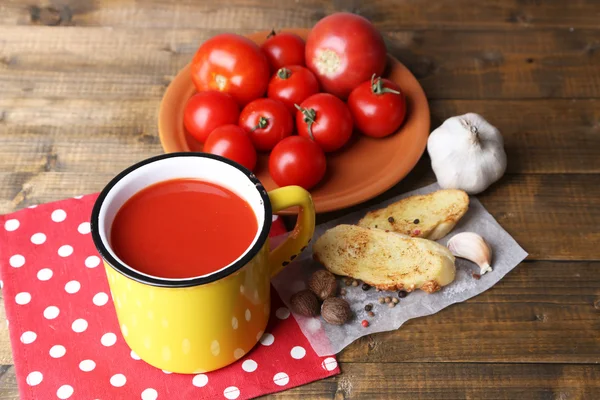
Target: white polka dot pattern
231	393
79	325
38	238
34	378
22	298
17	261
108	339
12	225
149	394
64	392
298	352
281	379
44	274
57	351
118	380
59	289
72	287
87	365
249	365
200	380
58	215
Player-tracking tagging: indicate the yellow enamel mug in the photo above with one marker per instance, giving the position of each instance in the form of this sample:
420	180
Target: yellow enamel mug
202	323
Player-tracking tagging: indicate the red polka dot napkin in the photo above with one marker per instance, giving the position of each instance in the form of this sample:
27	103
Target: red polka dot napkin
65	336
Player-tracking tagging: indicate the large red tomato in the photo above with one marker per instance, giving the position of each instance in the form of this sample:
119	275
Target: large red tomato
292	85
206	111
325	119
297	161
378	107
284	49
267	122
233	64
230	141
344	50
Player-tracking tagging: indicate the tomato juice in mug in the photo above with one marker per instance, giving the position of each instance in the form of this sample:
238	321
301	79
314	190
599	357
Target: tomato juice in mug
184	239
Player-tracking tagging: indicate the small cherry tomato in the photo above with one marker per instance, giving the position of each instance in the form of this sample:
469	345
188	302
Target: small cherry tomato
266	121
232	64
297	160
378	107
230	141
206	111
283	49
325	119
292	85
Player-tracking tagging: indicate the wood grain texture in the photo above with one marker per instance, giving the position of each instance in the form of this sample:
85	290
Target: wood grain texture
520	320
111	63
8	383
81	82
264	14
5	347
455	381
541	136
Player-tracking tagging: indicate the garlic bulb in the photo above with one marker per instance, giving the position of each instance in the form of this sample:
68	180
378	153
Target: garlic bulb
471	246
467	153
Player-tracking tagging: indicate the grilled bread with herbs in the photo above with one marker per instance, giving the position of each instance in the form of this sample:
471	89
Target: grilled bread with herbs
430	216
386	260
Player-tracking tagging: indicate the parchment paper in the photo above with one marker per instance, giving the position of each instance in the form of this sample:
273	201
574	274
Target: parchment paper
329	339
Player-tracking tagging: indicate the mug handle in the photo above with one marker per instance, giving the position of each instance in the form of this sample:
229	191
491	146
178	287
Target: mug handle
302	233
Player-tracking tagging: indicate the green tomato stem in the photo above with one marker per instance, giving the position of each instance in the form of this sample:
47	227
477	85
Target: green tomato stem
310	116
377	87
263	122
284	73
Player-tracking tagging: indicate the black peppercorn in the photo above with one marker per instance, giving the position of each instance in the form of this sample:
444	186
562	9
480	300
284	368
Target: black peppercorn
371	314
402	294
416	221
369	307
366	287
391	220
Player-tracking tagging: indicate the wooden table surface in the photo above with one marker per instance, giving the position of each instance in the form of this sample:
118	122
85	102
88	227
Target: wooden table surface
80	84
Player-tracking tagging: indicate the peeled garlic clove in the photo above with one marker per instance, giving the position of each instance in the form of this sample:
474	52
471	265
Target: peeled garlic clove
472	247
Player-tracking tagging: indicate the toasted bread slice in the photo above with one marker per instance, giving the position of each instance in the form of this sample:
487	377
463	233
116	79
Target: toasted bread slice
386	260
429	216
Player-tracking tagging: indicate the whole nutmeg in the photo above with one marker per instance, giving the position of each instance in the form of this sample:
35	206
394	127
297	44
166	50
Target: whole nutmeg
323	284
305	303
336	311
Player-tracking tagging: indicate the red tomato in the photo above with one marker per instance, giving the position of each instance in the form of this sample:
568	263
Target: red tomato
230	141
284	49
297	161
344	50
267	122
233	64
206	111
292	85
325	119
378	107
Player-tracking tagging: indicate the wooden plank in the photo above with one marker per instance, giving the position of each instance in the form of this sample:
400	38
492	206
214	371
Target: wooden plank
136	63
549	136
5	348
434	381
525	318
263	14
454	381
8	383
530	208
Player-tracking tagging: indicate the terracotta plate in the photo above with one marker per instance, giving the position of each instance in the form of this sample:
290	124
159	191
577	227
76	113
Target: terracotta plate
363	169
